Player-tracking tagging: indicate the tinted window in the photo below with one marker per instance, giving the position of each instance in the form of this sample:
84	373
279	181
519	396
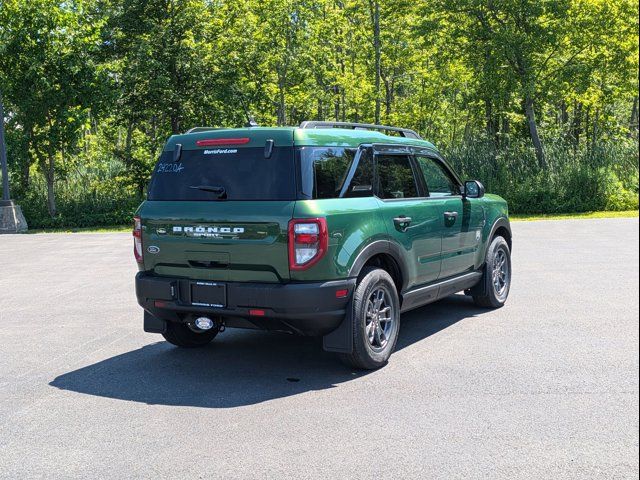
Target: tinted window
361	185
438	180
324	170
395	177
243	173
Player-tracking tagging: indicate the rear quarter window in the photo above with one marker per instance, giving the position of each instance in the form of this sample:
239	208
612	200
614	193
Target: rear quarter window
325	173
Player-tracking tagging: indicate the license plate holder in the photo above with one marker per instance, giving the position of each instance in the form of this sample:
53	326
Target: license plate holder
208	294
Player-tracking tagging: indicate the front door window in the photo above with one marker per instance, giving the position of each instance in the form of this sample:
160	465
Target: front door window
395	177
438	181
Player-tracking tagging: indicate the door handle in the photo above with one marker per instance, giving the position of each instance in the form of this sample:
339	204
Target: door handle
450	216
402	223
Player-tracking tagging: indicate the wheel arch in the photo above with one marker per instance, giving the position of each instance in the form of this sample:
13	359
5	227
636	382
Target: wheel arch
386	255
501	227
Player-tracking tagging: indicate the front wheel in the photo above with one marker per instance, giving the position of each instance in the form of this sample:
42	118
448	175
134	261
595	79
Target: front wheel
497	275
376	320
187	335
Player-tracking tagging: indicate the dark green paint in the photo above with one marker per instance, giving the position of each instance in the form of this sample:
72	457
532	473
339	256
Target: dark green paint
260	256
287	136
432	247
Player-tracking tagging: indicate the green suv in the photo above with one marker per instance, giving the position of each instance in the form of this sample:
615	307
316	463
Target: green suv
329	229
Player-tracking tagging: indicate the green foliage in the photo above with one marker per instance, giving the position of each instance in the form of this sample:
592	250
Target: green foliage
536	98
47	55
575	180
78	209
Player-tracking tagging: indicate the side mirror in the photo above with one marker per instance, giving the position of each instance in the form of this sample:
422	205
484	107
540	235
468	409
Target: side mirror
473	189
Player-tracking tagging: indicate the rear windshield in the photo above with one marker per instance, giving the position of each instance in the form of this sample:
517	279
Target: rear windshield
225	173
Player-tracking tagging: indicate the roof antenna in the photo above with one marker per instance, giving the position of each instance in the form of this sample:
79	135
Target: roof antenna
251	122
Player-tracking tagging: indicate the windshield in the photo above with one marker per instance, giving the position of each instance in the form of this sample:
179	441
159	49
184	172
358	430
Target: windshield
225	174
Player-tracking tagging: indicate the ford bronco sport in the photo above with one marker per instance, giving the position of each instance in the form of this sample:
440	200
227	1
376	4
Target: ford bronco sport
330	229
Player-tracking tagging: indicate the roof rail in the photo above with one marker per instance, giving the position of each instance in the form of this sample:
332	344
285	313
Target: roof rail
405	132
202	129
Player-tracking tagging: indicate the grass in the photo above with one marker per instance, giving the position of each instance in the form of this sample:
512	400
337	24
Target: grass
106	229
574	216
514	217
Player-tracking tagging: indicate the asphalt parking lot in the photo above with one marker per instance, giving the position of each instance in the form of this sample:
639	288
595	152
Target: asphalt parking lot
546	387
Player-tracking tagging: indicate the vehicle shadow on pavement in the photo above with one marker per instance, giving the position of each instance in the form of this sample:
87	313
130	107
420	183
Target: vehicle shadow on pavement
242	367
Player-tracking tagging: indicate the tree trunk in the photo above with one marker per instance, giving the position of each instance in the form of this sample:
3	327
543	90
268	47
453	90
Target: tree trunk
576	127
26	168
352	58
375	11
490	123
127	145
51	197
633	122
587	122
594	135
175	120
26	173
282	115
154	129
466	136
564	115
505	129
343	93
533	132
388	98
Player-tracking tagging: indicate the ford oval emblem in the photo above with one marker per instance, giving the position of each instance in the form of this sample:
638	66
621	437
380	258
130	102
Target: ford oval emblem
153	249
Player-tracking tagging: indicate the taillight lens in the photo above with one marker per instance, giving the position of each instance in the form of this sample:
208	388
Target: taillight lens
137	239
308	240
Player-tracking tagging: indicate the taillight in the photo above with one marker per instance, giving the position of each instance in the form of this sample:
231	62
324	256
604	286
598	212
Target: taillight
308	240
137	239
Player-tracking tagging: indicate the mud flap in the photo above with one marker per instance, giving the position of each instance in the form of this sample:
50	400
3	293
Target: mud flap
481	288
154	324
340	340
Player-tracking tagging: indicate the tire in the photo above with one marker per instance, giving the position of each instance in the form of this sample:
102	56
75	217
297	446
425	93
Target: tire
374	334
181	335
497	275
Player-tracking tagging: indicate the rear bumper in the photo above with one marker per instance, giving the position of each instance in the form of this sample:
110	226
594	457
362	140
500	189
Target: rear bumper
304	308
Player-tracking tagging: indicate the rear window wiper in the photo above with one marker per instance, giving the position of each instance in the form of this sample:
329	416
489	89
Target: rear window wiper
222	193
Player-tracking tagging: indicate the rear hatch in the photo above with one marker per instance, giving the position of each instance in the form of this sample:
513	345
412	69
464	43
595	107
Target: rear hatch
220	209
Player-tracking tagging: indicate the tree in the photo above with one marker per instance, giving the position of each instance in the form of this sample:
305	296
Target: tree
535	49
93	88
47	63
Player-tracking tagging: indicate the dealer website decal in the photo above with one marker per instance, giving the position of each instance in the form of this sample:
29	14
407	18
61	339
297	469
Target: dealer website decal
220	151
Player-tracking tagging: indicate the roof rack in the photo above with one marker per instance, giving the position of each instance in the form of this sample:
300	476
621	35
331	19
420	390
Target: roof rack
202	129
405	132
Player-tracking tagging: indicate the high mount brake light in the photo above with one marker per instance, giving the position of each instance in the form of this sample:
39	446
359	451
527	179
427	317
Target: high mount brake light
308	241
216	142
137	239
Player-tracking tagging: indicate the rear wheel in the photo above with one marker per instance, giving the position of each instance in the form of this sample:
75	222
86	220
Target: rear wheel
497	275
187	335
376	320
